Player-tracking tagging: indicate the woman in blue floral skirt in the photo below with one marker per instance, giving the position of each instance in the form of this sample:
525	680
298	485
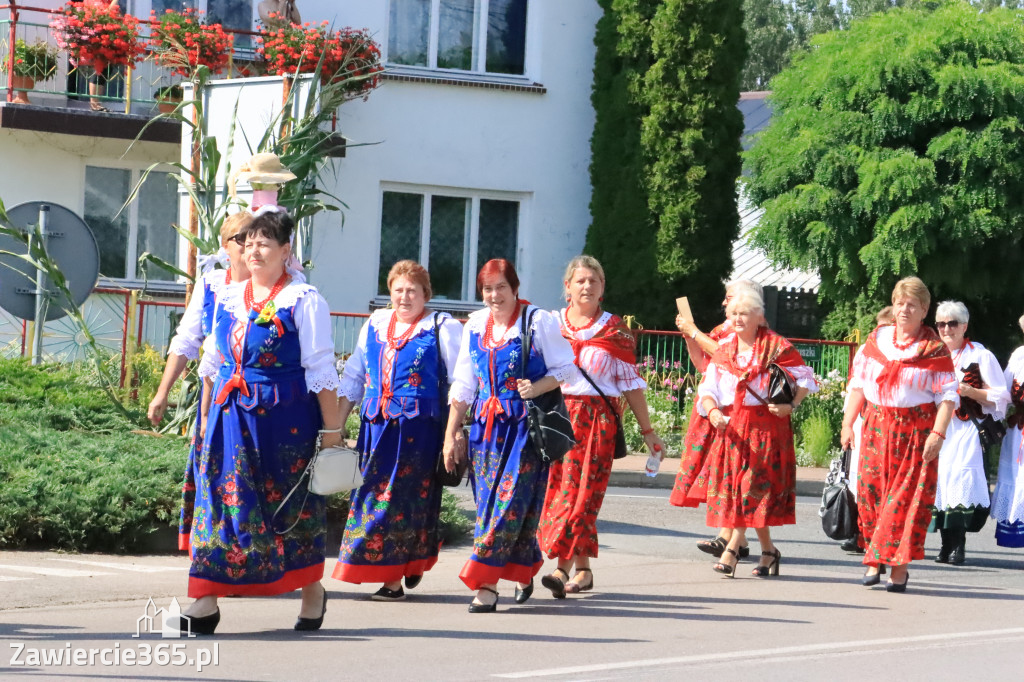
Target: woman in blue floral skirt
509	479
274	394
400	370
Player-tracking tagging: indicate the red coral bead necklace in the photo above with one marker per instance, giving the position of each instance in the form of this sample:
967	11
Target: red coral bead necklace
908	344
258	306
399	343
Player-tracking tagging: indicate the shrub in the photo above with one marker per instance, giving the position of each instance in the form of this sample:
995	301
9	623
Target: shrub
75	476
37	60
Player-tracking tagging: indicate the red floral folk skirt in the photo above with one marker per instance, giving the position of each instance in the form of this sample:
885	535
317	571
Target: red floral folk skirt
895	487
691	486
577	484
752	471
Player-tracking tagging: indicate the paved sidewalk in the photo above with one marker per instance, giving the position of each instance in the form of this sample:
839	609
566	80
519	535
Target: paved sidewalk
628	472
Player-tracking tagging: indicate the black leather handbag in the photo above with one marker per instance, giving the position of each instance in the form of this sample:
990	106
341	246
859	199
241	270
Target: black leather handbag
550	431
620	436
990	431
838	510
452	479
781	386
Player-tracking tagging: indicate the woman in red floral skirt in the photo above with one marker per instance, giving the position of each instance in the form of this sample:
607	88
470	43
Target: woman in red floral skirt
691	485
904	384
605	351
752	465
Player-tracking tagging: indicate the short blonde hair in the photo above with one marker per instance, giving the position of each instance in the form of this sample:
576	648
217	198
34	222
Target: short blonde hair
885	316
746	299
234	225
912	287
581	261
414	272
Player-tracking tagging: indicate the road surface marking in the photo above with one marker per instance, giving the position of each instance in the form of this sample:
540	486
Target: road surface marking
829	647
59	572
122	567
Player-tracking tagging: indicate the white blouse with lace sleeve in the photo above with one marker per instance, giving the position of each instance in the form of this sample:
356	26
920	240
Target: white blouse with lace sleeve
210	364
920	386
353	378
721	386
316	344
188	337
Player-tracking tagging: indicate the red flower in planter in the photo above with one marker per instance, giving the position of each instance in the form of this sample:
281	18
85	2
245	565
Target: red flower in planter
97	36
183	42
347	56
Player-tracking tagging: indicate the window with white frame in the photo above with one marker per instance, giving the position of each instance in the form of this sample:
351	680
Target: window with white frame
144	226
481	36
451	234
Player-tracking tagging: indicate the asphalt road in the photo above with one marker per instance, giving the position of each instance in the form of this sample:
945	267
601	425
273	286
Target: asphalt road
658	611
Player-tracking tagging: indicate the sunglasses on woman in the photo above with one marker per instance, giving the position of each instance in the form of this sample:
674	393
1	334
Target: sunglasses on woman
952	324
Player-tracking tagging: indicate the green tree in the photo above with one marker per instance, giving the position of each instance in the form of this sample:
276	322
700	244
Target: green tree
896	148
690	137
770	39
622	230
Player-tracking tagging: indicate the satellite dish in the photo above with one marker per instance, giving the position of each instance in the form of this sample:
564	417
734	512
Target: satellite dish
69	242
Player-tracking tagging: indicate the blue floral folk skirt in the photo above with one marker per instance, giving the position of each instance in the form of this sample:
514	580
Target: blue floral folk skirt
508	485
255	451
391	530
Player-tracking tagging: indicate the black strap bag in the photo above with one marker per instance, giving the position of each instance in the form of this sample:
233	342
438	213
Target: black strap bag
620	436
781	386
550	431
838	510
452	479
990	431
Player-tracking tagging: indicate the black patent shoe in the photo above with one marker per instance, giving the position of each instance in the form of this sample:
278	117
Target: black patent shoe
199	625
957	557
524	594
872	580
479	607
898	587
412	581
384	594
308	624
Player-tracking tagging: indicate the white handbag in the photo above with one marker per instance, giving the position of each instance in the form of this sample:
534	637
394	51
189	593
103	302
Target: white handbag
330	471
335	470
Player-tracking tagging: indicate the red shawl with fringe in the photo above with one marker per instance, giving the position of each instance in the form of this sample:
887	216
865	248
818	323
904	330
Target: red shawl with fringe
931	355
614	338
769	348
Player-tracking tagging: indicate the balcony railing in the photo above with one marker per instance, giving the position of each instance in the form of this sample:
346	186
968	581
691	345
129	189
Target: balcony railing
127	90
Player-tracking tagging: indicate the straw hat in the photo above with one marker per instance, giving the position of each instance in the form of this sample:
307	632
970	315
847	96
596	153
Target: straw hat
264	168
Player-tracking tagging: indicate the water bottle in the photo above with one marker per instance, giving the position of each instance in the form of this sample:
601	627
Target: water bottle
653	464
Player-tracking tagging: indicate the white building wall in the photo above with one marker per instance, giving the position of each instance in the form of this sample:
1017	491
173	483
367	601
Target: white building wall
435	136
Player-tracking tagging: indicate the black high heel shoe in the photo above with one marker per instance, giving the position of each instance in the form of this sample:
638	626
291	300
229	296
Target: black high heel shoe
475	607
728	570
898	587
872	580
772	568
199	625
522	595
308	624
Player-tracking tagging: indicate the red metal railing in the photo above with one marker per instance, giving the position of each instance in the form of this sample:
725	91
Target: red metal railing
15	11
